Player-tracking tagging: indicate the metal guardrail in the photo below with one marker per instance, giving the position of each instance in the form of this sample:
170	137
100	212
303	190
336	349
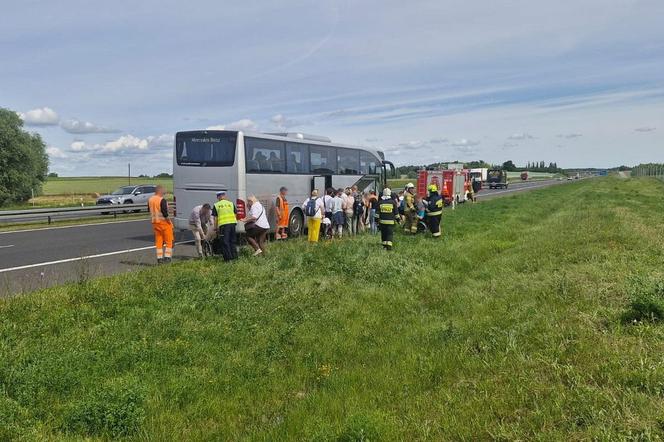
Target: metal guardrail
51	214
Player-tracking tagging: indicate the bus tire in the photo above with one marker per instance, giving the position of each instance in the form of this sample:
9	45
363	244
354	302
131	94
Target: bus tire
295	223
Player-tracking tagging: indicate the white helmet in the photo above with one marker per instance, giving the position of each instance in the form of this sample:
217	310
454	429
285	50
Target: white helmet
410	186
387	192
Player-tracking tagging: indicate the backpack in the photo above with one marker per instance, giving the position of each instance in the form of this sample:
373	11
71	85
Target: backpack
310	209
358	206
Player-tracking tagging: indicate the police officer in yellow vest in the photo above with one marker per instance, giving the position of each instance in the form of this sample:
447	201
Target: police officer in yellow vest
387	214
224	212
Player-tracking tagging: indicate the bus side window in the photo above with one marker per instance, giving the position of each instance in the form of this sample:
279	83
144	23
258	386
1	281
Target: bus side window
368	163
323	159
265	156
297	158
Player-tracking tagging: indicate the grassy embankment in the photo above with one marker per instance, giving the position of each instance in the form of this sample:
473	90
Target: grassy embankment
509	328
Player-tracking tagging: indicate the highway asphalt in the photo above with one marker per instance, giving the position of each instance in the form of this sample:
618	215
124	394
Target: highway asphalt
35	258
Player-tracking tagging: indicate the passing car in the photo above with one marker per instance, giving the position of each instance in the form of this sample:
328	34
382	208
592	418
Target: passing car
128	195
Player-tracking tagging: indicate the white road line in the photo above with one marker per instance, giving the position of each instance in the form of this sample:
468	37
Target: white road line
100	255
6	247
74	225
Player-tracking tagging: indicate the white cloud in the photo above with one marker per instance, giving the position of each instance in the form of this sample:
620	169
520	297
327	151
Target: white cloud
164	140
77	146
243	124
283	122
55	152
44	116
570	136
415	144
462	143
439	141
520	136
372	140
645	129
74	126
125	143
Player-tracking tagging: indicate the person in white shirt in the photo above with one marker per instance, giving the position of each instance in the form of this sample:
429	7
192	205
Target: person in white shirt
338	219
199	224
314	208
256	225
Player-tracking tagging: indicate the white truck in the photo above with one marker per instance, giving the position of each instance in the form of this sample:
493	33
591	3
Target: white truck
479	173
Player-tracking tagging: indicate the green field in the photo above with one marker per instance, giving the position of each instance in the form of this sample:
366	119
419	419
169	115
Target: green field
510	330
101	185
76	191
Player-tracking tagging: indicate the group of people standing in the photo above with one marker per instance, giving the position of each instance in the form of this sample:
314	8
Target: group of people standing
335	214
347	209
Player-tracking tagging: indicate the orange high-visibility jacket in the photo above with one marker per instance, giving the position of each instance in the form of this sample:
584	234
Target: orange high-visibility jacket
158	209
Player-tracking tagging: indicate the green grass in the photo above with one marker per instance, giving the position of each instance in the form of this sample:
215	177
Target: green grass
509	330
101	185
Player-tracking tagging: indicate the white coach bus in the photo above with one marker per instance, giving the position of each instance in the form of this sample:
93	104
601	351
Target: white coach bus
244	163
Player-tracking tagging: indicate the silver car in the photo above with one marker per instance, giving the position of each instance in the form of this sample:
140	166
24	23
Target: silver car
128	195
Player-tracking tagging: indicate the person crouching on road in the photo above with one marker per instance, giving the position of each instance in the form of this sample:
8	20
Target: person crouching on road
388	210
281	207
434	211
199	224
256	225
224	213
161	225
314	209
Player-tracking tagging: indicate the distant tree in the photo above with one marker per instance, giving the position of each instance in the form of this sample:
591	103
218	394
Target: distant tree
164	175
509	166
23	160
52	175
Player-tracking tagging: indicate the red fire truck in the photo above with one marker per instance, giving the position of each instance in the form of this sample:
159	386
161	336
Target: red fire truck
452	184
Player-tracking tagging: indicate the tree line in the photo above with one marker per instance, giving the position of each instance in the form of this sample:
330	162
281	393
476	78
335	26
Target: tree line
23	160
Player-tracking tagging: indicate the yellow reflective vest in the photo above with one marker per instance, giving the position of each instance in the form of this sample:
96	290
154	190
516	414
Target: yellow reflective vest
225	212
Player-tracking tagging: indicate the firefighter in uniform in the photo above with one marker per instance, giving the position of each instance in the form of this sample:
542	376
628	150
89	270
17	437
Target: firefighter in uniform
388	211
161	225
409	209
434	211
224	212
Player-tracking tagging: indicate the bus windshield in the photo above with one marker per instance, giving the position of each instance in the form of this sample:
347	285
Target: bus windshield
206	149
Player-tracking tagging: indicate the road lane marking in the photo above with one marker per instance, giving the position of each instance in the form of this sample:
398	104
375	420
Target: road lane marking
73	225
81	258
6	247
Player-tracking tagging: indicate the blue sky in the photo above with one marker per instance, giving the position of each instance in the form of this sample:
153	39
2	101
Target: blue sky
106	83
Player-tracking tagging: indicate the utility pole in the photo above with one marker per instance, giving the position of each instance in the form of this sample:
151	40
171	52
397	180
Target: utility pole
129	172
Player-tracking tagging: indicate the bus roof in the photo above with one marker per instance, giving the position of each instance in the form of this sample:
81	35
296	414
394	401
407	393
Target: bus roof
305	139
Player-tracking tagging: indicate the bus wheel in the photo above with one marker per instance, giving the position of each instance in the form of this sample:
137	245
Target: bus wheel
295	224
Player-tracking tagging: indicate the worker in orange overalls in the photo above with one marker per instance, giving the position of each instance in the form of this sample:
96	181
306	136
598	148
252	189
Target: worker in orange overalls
281	206
161	225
